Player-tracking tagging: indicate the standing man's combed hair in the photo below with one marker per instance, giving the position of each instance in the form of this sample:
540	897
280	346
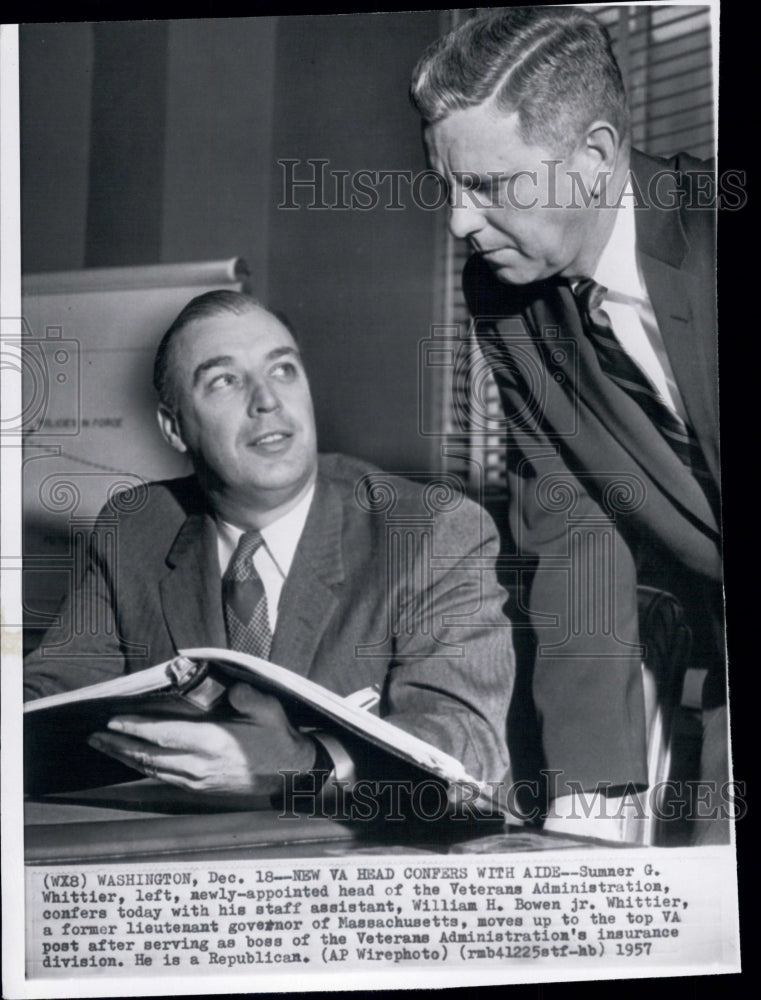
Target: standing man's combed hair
553	65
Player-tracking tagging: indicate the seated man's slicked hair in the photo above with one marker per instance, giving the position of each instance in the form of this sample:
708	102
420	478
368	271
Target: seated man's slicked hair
552	65
216	303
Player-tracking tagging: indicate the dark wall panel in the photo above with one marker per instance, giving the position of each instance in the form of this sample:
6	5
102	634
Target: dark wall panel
55	84
358	284
218	136
126	143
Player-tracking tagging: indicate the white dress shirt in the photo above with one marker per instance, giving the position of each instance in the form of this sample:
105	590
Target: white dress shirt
272	561
629	308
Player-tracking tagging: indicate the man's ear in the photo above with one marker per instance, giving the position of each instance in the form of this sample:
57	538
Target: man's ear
600	149
170	428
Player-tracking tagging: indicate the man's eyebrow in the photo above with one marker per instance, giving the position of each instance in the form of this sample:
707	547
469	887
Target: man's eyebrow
279	352
220	359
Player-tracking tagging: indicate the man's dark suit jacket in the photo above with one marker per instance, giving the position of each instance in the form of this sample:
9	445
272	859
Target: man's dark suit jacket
583	458
392	583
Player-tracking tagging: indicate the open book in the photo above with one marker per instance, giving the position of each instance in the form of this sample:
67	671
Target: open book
195	683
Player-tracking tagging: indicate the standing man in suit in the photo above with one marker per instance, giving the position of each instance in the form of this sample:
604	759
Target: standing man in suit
592	290
321	563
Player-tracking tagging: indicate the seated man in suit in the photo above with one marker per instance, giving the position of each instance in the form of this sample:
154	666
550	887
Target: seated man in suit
320	563
592	287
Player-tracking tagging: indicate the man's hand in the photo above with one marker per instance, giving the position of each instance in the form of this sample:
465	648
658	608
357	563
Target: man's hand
238	756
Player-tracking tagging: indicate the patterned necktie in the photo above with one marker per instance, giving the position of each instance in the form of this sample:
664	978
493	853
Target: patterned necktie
621	368
245	601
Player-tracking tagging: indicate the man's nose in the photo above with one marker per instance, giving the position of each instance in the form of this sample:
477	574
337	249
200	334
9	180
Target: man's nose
262	399
465	218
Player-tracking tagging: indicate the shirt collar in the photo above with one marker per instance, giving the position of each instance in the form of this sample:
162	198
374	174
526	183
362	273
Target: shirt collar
618	268
281	538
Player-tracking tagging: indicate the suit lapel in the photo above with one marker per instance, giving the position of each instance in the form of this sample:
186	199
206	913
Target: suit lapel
693	371
688	333
191	595
308	599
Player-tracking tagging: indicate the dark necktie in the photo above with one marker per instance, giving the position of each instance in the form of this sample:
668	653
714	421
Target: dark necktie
617	364
245	602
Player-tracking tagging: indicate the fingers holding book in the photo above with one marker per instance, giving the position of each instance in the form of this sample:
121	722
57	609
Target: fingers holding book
240	755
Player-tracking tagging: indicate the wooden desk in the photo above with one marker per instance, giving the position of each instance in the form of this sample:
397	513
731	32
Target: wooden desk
146	822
